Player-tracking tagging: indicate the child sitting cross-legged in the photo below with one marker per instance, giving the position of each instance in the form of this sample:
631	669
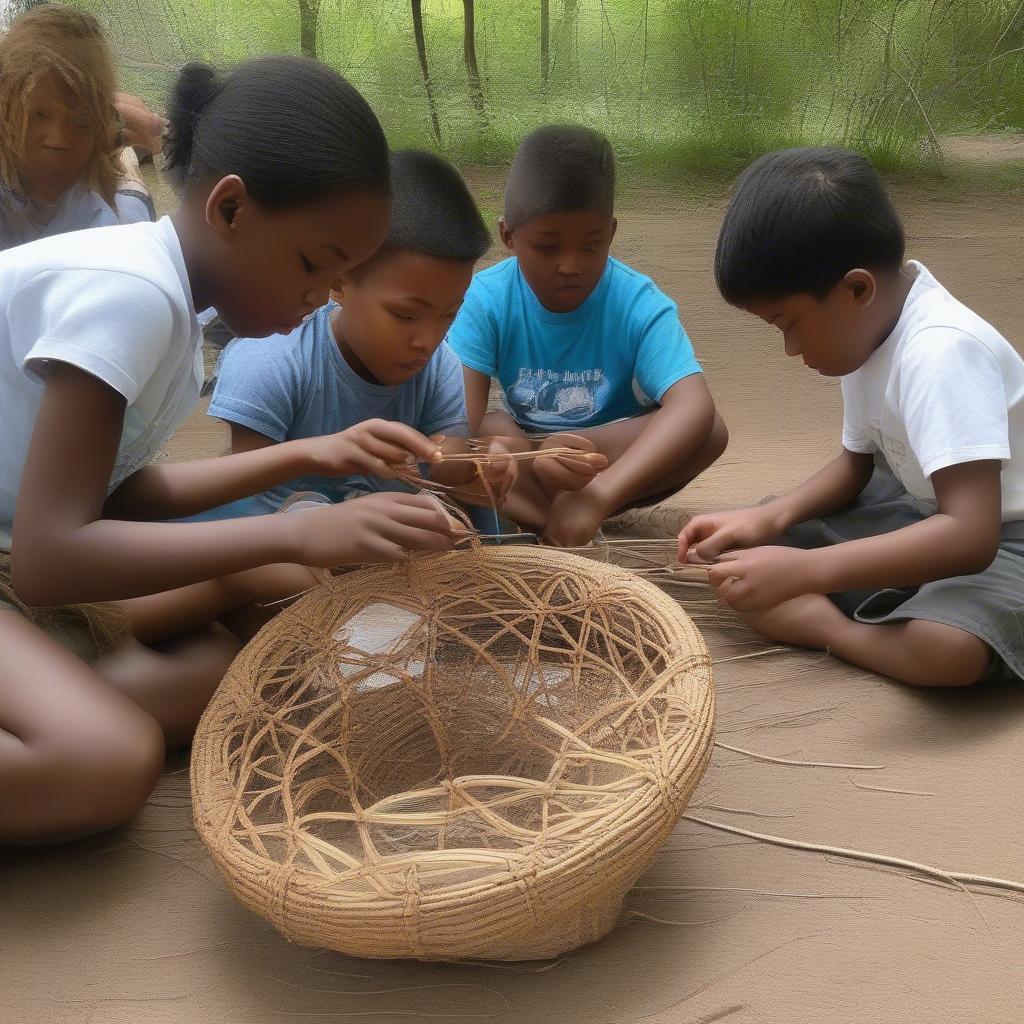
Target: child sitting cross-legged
375	352
589	353
905	554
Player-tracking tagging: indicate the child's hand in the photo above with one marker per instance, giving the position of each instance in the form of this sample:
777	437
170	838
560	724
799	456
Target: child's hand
481	483
500	473
557	473
372	447
764	577
142	127
704	538
375	528
575	518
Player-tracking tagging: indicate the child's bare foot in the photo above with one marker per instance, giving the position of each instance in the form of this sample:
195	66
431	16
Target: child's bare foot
810	620
568	472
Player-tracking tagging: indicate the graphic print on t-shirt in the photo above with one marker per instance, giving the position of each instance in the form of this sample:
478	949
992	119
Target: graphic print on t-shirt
554	398
612	358
893	449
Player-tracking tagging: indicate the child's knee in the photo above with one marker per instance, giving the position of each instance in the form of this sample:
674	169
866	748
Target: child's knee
61	791
107	773
945	655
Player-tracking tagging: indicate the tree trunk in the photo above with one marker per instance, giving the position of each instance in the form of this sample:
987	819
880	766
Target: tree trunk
565	32
545	40
309	15
472	70
421	52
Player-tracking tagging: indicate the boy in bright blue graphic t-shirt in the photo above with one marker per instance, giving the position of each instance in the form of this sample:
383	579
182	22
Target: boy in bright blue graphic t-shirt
589	353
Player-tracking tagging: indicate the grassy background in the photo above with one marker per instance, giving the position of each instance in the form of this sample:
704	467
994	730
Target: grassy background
680	86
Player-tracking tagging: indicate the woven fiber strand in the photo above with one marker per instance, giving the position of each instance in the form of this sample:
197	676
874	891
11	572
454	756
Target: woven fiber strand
472	755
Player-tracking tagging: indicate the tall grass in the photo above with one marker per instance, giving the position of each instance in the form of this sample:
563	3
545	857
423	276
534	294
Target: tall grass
678	85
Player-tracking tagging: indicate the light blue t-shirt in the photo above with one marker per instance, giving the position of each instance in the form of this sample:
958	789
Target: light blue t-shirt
298	385
25	220
613	357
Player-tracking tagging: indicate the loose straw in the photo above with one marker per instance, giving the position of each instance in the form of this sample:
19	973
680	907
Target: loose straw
484	459
956	878
800	764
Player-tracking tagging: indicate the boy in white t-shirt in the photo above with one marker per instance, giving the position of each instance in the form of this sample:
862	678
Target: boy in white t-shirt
905	555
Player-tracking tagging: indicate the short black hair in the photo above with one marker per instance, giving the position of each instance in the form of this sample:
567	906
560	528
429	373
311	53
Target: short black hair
432	212
291	128
800	220
559	168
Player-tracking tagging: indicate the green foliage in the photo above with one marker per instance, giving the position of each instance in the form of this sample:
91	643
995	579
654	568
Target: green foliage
682	87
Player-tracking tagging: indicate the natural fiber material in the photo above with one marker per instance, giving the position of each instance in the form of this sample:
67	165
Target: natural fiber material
89	630
472	755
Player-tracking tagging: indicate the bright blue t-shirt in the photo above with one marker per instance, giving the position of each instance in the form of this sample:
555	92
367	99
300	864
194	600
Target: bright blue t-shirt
613	357
297	385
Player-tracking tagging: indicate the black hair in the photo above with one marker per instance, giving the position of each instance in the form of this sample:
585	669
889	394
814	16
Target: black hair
291	128
432	212
800	220
556	169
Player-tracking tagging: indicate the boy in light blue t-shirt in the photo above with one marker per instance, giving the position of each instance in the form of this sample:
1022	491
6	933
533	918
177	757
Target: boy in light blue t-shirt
374	353
589	353
302	385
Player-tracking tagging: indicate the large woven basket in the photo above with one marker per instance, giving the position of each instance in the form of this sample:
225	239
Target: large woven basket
473	755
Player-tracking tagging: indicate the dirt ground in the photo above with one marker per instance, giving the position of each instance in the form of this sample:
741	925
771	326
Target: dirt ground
135	927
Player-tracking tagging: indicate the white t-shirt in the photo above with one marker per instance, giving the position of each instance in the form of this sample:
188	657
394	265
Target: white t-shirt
944	388
114	302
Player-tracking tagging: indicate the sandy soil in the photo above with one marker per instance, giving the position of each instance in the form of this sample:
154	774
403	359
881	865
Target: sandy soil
134	926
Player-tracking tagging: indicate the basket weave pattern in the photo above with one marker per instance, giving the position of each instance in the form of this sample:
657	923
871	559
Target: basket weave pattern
471	755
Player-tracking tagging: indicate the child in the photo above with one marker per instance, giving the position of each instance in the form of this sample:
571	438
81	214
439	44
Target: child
377	352
286	185
580	342
61	160
916	530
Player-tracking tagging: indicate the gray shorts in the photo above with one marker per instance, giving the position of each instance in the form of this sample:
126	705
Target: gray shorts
988	604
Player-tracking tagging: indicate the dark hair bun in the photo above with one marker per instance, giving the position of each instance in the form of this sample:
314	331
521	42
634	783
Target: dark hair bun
291	128
194	90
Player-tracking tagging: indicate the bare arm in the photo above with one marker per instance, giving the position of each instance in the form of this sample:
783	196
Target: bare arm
142	127
245	440
173	490
645	454
460	474
65	552
960	539
675	431
453	473
705	537
829	489
478	390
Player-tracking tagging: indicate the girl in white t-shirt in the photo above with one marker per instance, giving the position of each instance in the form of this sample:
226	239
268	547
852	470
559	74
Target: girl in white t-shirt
286	184
62	163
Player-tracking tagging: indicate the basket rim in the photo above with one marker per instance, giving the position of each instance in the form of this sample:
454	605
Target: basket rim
210	790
